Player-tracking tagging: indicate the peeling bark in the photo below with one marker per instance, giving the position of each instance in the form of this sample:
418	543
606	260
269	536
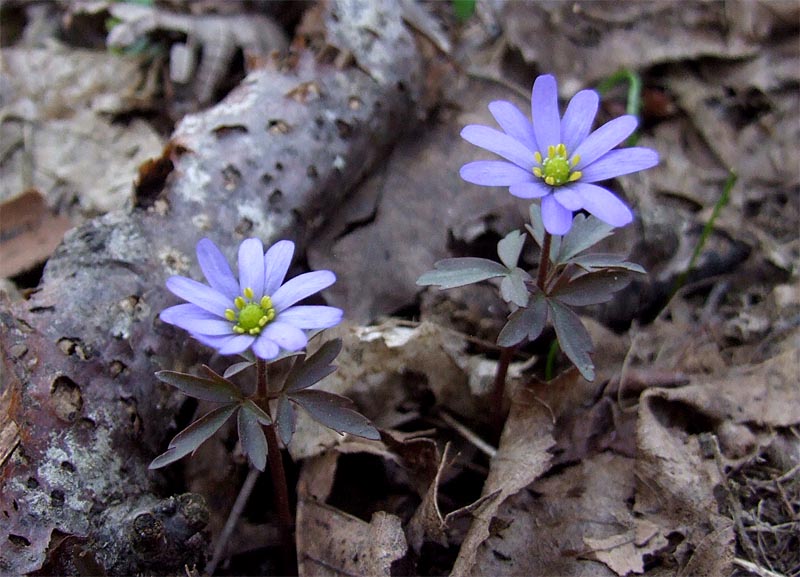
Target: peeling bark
270	161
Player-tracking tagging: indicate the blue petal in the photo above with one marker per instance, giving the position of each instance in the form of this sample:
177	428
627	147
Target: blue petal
285	335
544	111
499	143
311	317
276	264
236	345
226	345
514	122
556	218
203	296
301	287
265	348
604	139
494	173
534	189
603	203
578	118
196	320
216	269
568	198
619	162
251	266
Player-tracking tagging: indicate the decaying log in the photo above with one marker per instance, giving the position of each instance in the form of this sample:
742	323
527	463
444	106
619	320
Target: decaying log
272	160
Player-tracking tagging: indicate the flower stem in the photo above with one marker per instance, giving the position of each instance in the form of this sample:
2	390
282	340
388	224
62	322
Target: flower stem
544	261
499	388
280	489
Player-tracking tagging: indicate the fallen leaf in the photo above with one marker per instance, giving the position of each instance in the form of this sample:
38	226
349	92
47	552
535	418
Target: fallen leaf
29	233
334	543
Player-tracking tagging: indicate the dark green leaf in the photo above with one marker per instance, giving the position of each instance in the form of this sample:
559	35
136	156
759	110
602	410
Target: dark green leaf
573	338
285	419
259	413
592	288
251	436
585	232
335	412
510	247
312	369
237	368
524	323
456	272
513	288
599	261
215	390
194	435
536	227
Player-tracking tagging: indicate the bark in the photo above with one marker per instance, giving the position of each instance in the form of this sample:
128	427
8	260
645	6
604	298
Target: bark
272	160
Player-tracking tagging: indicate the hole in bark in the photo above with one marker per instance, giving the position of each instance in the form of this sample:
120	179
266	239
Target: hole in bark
311	171
31	483
134	419
19	540
278	127
266	178
71	346
117	367
401	86
88	423
354	102
345	130
244	227
278	166
231	177
229	129
275	198
66	397
57	498
67	466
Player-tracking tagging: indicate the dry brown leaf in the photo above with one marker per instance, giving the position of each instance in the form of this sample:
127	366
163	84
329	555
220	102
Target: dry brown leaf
549	522
587	41
336	544
523	455
331	542
29	233
376	367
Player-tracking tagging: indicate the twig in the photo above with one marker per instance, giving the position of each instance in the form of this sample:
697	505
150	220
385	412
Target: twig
756	569
233	518
733	501
470	436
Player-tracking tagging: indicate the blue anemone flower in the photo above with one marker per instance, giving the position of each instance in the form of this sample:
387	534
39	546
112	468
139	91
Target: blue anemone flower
256	311
558	159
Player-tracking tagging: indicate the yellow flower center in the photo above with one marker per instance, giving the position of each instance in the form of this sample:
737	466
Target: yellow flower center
250	317
557	168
